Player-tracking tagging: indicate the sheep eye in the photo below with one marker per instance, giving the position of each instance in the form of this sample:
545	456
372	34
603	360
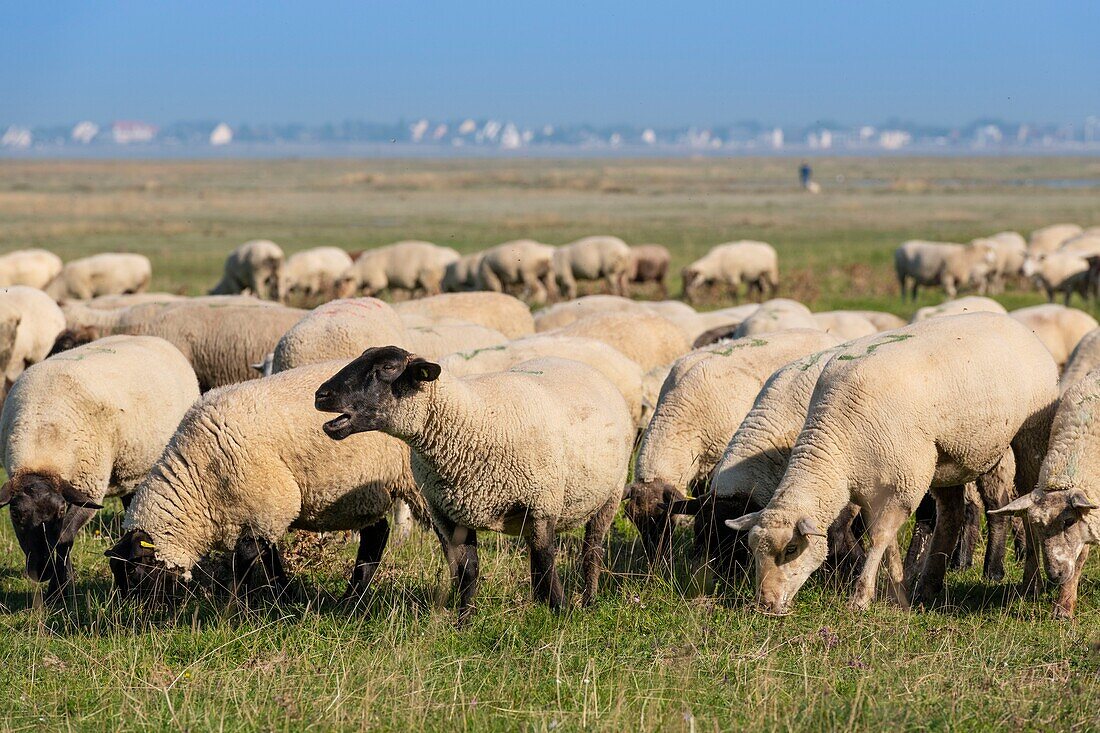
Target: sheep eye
790	550
1070	521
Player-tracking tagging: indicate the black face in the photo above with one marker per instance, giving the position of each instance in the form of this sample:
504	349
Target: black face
73	337
726	551
647	506
136	569
365	392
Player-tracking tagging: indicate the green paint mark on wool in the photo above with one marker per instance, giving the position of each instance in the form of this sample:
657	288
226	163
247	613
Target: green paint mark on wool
754	343
527	371
467	355
893	339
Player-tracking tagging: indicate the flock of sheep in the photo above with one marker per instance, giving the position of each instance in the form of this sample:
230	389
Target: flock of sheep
792	440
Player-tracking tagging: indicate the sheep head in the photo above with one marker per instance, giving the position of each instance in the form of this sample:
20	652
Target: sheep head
717	548
787	550
365	393
1057	519
647	506
137	569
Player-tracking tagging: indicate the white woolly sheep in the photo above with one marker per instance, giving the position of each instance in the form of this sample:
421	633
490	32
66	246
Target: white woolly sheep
497	311
935	404
569	311
531	452
945	264
959	306
462	274
102	274
521	262
778	314
1085	358
437	338
846	325
1059	272
80	427
649	264
712	326
1009	252
338	330
650	340
731	265
40	321
103	317
10	317
313	272
883	321
247	463
409	265
592	258
35	268
256	268
1050	238
1059	328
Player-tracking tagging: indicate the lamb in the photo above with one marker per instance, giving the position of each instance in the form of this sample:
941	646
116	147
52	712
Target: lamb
731	265
530	452
649	340
1061	510
1050	238
338	330
592	258
40	321
1059	272
625	374
892	415
948	265
703	400
649	264
256	268
778	314
1009	252
847	325
247	463
1059	328
1085	358
462	274
102	274
34	268
80	427
959	306
312	273
520	262
410	265
497	311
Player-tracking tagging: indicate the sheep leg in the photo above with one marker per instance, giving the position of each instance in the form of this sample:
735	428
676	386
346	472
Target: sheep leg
962	558
545	583
252	557
896	573
613	283
460	544
402	520
996	489
662	287
372	544
845	551
1067	592
1029	447
595	531
949	520
923	527
534	291
883	526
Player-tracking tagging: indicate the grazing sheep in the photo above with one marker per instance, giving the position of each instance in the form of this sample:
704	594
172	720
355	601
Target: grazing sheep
592	258
255	268
411	265
959	306
497	311
35	268
10	317
846	325
530	452
82	314
1059	328
313	272
945	264
1059	272
704	398
247	463
650	340
1085	358
337	330
40	321
649	264
102	274
520	262
622	371
935	404
1009	252
83	426
1062	509
462	274
1050	238
731	265
778	314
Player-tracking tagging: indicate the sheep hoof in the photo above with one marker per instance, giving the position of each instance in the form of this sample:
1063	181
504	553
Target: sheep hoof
1061	613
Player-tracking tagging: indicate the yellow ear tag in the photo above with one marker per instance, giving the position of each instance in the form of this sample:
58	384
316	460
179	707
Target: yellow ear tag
147	545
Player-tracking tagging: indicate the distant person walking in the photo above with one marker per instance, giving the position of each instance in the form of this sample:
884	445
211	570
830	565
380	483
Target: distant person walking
805	177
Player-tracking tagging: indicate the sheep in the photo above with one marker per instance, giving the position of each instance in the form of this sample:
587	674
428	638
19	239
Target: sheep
649	264
1061	509
313	272
10	318
1050	238
338	330
883	321
702	401
847	325
778	314
497	311
959	306
1083	245
39	323
648	339
520	262
247	463
115	302
34	268
533	451
1009	251
80	427
410	265
435	339
712	326
1059	272
100	314
462	274
623	372
569	311
948	265
733	264
1059	328
1085	358
935	404
256	268
102	274
592	258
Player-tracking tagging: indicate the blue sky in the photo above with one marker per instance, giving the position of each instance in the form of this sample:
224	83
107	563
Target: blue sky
646	63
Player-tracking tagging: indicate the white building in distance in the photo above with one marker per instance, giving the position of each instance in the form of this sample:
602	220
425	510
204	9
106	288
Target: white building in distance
221	135
126	132
16	137
84	132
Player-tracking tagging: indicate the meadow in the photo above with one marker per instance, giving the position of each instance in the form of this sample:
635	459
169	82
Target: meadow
646	656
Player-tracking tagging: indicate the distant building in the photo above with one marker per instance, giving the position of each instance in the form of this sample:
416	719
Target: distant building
418	129
126	132
440	131
467	127
16	137
84	132
649	137
894	139
221	135
510	139
775	138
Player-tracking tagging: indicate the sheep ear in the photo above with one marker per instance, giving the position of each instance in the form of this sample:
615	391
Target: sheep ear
422	370
121	549
744	523
6	493
1078	500
76	497
808	528
258	367
1016	506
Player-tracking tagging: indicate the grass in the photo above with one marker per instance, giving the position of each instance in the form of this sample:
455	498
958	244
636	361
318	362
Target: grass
646	657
